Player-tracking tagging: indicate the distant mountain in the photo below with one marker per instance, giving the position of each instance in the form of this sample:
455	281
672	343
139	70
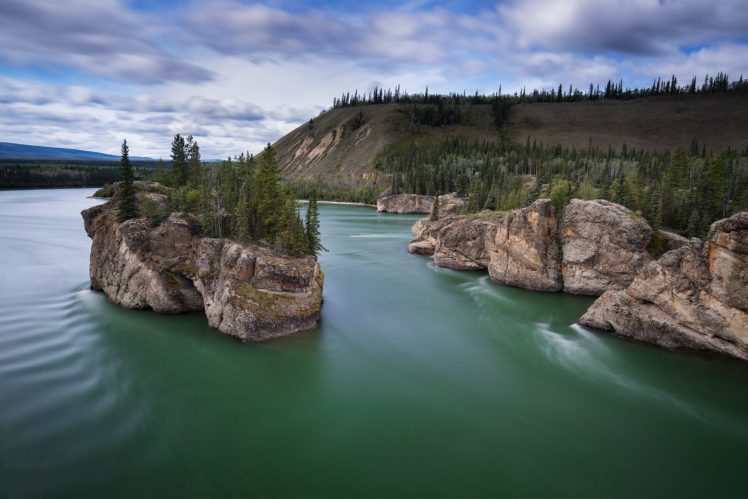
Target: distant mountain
9	150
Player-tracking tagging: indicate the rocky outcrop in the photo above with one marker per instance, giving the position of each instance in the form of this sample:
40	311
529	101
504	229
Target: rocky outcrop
518	248
524	251
693	297
603	244
449	204
596	246
246	291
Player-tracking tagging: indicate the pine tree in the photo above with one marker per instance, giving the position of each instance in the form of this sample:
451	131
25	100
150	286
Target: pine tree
654	214
179	171
268	198
435	209
243	229
193	160
313	243
712	189
128	199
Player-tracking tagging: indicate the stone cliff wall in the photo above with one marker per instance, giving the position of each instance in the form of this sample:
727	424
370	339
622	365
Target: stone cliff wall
246	291
694	296
595	246
450	204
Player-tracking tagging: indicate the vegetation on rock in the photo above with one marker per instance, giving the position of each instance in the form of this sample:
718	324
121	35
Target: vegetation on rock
127	206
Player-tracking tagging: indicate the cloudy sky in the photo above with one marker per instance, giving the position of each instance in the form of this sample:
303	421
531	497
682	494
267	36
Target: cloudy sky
237	74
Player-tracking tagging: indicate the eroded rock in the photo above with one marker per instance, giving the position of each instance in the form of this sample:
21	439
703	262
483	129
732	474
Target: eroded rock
693	297
518	248
449	204
603	245
246	291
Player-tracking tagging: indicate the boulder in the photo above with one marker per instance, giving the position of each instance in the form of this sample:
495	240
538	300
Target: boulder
604	245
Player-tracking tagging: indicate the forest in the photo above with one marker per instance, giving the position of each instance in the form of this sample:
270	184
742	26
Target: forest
435	110
241	198
684	190
17	174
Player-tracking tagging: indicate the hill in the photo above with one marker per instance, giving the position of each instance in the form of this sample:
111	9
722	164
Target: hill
13	151
341	145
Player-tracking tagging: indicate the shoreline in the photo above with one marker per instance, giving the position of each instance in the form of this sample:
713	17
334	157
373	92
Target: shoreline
349	203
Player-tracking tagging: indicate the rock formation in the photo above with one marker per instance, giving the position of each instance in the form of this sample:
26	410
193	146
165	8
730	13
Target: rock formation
603	244
246	291
518	248
693	297
449	204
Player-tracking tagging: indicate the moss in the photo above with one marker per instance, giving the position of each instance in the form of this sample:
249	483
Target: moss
488	215
106	191
272	307
655	246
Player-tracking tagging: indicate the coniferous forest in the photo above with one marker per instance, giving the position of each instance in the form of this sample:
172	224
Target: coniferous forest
686	189
241	198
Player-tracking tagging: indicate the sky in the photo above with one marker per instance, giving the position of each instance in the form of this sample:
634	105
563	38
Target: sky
238	74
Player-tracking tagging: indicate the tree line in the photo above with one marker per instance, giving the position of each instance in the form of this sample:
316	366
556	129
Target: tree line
685	189
612	90
241	198
33	173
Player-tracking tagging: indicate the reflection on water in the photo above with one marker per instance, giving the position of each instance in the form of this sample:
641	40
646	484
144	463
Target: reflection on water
419	381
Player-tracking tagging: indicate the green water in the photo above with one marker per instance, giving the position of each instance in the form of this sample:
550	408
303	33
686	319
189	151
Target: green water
419	381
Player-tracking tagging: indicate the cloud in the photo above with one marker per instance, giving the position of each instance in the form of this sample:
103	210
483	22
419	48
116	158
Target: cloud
101	38
638	27
239	73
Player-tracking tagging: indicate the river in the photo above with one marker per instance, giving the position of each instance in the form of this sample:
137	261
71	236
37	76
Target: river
419	381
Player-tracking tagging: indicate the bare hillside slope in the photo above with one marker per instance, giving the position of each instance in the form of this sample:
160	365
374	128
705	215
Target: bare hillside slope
341	144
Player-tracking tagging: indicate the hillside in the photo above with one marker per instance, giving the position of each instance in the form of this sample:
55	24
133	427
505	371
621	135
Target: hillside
13	151
340	150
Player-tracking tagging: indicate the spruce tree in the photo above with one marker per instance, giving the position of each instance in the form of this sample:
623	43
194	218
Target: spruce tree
179	172
268	199
128	199
313	243
435	209
712	189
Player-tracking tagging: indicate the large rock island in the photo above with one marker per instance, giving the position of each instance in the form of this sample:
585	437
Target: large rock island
695	295
246	291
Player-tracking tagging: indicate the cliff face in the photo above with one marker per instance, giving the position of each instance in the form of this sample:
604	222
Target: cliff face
449	204
596	246
692	297
603	245
246	291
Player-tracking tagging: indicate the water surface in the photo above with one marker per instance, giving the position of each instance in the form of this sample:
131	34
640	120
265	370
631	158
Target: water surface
419	381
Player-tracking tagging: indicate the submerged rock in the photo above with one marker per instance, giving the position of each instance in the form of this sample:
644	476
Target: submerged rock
692	297
246	291
416	203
